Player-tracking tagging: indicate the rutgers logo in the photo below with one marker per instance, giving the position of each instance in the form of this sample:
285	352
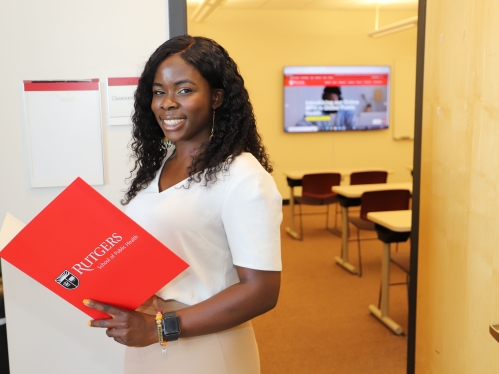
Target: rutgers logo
68	280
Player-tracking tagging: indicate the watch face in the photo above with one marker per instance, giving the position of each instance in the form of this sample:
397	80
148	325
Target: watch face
171	325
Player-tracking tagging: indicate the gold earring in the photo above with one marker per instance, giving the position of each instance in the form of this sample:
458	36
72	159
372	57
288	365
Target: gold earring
212	126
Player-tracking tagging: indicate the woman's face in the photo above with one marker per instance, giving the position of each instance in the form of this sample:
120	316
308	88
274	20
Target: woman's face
183	102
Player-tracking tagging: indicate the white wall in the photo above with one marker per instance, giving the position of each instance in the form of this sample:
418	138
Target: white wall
64	39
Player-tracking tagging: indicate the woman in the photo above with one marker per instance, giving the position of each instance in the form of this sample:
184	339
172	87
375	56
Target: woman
202	187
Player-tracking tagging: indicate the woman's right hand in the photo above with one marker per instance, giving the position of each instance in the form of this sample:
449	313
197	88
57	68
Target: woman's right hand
128	327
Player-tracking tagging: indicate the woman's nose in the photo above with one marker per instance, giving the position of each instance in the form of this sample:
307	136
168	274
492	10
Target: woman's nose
168	104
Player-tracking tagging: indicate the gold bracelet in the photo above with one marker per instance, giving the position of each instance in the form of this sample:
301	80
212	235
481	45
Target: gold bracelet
159	324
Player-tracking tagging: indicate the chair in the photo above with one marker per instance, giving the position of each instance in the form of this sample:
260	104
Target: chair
362	177
316	190
377	201
368	177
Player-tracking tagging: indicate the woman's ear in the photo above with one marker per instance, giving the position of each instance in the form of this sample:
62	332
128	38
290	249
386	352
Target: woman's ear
218	98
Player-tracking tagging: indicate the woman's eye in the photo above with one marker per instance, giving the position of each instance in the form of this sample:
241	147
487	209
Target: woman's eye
184	90
157	92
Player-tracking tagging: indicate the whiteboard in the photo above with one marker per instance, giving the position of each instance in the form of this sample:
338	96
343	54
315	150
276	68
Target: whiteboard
404	96
64	132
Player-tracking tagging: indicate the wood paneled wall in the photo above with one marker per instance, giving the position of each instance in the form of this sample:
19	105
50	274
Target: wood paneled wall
458	279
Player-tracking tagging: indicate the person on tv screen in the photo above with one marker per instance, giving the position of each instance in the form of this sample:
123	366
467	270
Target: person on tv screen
201	185
339	118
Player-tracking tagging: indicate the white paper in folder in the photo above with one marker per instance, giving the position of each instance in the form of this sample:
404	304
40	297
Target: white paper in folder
10	228
64	130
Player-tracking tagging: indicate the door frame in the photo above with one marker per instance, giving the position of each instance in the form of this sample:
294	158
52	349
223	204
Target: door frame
416	175
177	18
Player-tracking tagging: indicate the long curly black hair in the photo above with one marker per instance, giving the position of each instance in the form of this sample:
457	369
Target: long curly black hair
234	128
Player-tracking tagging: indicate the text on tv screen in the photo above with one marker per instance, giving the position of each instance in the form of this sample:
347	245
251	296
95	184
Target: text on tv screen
336	98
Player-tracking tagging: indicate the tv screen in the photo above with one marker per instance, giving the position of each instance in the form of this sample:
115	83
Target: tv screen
336	98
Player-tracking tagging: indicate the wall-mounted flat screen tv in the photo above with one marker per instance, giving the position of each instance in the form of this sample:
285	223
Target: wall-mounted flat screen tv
336	98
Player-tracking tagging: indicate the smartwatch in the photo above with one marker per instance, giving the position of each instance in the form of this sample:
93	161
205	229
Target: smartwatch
171	326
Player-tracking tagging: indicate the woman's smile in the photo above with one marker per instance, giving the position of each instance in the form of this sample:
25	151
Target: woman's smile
173	124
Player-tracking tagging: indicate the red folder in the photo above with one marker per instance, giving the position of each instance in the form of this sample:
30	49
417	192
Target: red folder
83	247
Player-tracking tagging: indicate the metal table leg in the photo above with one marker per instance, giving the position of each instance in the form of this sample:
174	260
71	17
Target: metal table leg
382	314
343	260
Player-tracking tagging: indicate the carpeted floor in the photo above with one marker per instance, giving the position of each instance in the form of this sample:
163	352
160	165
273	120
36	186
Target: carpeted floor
322	323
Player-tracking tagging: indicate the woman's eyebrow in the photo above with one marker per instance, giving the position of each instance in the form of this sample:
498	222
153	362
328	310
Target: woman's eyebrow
182	81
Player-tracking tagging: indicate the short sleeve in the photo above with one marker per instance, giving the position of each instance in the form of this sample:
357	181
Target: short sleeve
252	215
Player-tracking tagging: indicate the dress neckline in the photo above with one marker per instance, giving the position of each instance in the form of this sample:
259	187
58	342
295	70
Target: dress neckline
170	153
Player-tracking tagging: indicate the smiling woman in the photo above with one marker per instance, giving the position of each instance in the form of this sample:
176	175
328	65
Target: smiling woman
231	113
201	185
184	105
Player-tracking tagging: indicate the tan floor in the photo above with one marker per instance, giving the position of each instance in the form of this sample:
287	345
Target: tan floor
321	323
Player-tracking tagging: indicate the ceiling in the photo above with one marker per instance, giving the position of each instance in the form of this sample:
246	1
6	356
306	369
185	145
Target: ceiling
315	4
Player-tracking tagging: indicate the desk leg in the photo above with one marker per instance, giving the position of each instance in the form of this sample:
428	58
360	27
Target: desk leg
343	260
291	229
382	314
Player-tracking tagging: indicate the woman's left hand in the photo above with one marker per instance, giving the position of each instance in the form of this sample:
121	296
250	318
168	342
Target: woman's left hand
127	327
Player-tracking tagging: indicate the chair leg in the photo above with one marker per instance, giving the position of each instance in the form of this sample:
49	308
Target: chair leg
360	258
327	217
407	280
379	297
336	212
301	223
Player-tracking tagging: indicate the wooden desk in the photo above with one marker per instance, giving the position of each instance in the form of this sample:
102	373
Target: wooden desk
294	180
398	221
350	196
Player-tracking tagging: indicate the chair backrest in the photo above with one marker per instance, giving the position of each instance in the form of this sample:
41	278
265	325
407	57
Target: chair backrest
368	177
319	185
380	201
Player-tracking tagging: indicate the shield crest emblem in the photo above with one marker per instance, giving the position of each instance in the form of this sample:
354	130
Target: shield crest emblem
67	280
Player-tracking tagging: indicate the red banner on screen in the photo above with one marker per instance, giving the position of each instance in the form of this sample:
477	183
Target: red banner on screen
336	80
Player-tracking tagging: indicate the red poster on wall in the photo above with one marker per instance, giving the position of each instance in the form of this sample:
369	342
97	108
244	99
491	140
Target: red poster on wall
83	247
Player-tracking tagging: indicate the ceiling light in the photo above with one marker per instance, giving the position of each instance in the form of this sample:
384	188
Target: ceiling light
394	27
206	9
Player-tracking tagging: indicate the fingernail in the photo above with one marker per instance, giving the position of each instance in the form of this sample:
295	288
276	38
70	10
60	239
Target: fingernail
86	301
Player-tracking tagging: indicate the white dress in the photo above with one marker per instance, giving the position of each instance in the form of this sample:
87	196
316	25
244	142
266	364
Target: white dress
212	227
